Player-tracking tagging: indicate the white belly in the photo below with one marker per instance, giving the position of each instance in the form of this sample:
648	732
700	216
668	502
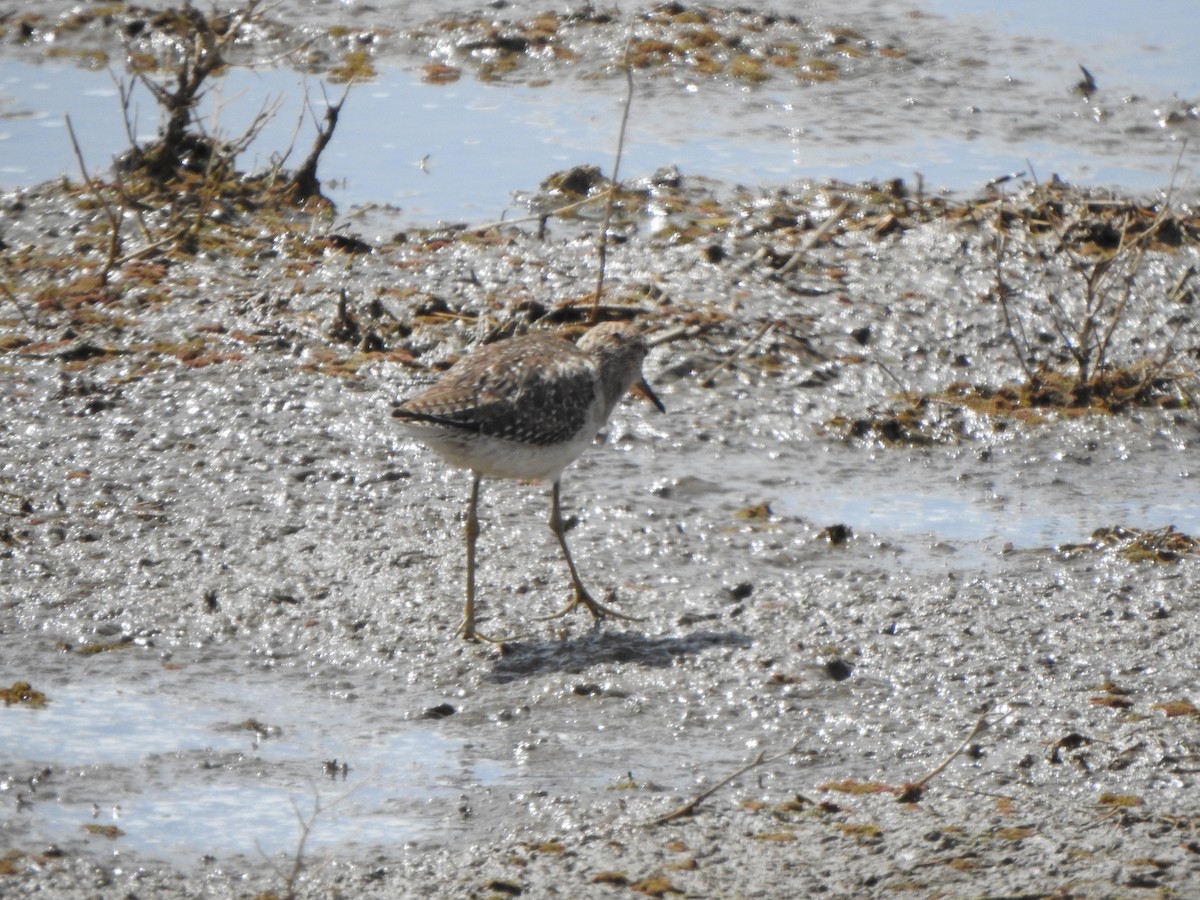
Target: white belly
498	458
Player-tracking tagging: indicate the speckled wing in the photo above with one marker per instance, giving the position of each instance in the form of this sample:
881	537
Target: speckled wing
537	390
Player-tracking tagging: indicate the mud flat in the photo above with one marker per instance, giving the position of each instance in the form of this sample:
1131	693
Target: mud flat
912	547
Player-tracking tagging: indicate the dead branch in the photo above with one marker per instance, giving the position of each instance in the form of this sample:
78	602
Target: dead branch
674	334
813	238
291	877
304	183
905	391
12	298
200	53
542	216
1020	347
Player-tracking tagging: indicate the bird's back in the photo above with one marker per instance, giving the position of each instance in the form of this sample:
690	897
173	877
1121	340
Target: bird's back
521	408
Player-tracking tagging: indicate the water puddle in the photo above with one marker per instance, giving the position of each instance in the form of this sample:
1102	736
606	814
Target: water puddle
192	763
457	155
959	511
1148	47
912	506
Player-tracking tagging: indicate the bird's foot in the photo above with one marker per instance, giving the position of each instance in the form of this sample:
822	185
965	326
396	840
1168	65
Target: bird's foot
470	633
598	610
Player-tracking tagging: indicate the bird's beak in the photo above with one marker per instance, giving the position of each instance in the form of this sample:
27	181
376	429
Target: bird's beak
643	389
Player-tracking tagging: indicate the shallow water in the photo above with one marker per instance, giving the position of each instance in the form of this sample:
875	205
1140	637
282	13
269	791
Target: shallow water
225	759
963	115
982	510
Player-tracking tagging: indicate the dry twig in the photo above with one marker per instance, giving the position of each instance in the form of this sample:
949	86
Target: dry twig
914	789
542	216
690	807
1003	291
114	220
291	876
707	380
813	238
602	238
12	297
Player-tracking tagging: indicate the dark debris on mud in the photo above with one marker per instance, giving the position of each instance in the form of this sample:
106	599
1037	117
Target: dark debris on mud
1098	340
685	42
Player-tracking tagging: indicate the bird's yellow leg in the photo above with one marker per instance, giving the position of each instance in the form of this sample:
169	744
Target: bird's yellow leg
582	597
467	629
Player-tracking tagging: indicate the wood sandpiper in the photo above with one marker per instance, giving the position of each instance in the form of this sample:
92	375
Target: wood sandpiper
527	407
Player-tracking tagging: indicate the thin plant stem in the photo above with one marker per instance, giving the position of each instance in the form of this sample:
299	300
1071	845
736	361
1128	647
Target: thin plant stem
602	238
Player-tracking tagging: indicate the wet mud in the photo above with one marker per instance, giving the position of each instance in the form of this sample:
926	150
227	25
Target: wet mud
953	644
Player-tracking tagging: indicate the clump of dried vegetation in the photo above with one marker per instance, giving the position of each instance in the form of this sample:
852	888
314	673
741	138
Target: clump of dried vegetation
677	40
1091	346
181	192
190	168
1161	545
1091	327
